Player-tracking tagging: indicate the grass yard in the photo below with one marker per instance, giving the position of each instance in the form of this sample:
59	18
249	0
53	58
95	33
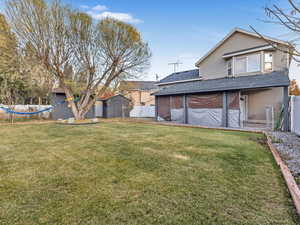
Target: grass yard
128	173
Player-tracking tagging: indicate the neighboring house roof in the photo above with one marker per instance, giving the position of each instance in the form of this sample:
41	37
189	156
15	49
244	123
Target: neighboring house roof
137	85
110	97
244	32
181	76
274	79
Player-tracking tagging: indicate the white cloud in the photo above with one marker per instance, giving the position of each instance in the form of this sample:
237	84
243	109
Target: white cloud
99	8
125	17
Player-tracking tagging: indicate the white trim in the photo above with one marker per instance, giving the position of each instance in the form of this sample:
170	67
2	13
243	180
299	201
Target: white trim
180	81
233	66
262	61
268	71
241	31
248	51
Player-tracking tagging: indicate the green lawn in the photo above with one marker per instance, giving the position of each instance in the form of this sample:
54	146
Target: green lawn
126	173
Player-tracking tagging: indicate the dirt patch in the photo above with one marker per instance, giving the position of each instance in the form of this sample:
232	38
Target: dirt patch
261	140
179	156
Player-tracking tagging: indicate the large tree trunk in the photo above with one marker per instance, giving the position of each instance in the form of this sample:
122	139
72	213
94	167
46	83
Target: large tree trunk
80	109
72	104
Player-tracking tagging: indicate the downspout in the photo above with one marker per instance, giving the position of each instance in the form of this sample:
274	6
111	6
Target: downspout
156	108
286	109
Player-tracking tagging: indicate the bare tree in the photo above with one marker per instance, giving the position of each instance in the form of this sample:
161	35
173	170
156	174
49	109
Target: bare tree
99	53
288	19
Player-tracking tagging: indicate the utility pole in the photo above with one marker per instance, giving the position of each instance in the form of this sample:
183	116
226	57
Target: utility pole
175	65
156	77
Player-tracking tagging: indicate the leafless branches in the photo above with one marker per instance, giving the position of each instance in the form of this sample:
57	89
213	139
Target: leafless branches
60	37
289	19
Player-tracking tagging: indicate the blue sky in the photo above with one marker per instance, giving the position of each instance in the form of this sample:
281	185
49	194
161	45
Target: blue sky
183	30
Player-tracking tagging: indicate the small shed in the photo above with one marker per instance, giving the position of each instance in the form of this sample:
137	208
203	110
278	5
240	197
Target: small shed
61	110
115	106
112	107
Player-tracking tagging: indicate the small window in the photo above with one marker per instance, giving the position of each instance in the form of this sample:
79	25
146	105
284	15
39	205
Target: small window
241	65
229	67
268	61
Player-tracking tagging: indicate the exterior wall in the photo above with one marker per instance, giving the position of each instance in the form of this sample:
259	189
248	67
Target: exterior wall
147	98
215	66
258	100
135	96
141	98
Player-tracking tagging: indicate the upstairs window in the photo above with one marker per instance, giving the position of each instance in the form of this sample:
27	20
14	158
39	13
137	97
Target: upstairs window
247	64
241	65
253	63
268	61
229	67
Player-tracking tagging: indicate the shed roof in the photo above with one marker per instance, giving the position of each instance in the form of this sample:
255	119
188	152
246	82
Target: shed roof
274	79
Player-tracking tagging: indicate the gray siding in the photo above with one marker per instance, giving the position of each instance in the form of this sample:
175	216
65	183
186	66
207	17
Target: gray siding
117	106
214	66
61	110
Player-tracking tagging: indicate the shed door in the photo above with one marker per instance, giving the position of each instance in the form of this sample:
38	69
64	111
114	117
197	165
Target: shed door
99	109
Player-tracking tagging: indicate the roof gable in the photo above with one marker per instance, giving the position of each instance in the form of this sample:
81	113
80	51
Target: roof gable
252	34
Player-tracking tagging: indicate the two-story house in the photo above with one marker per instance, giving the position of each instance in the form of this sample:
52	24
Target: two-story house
237	83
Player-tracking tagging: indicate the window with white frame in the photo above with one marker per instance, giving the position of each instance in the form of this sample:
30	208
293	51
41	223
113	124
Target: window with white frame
253	63
268	61
247	63
229	67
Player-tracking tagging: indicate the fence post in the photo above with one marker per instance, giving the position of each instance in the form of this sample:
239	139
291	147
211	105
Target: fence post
156	108
292	113
286	109
225	110
185	110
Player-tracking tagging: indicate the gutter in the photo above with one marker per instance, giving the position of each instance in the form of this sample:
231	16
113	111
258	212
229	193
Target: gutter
216	89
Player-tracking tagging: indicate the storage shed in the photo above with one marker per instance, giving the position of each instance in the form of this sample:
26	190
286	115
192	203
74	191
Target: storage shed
112	107
115	106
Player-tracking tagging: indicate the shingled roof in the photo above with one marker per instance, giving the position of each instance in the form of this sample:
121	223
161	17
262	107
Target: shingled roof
181	76
274	79
138	85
